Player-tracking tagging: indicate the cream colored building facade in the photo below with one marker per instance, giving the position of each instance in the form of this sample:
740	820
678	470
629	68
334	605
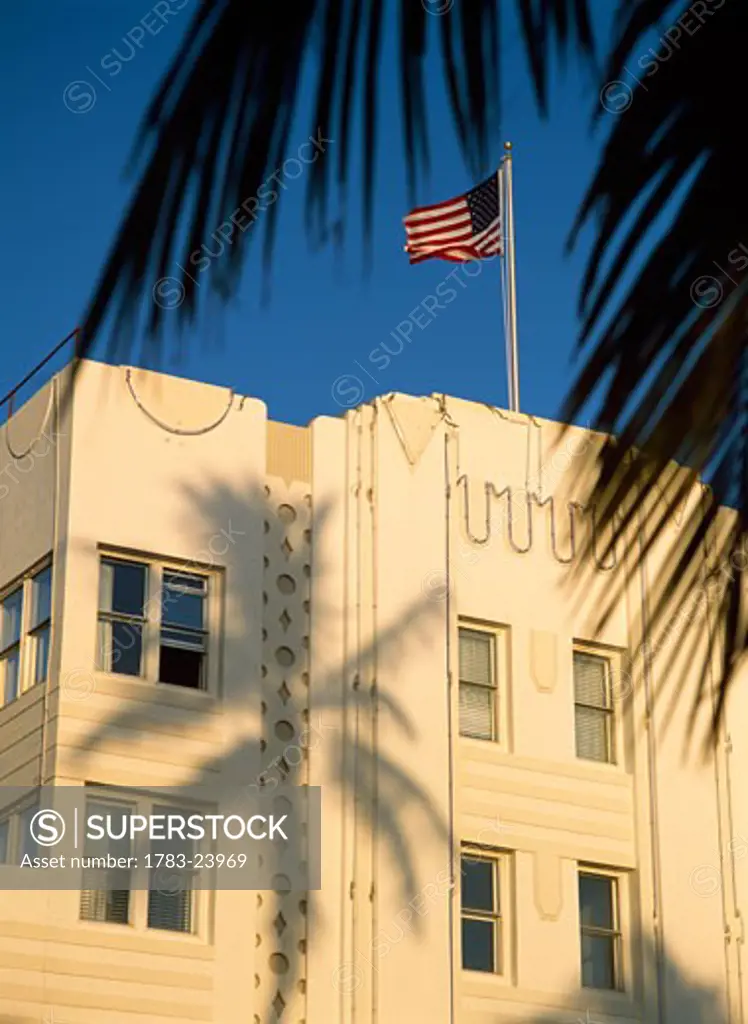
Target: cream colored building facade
511	829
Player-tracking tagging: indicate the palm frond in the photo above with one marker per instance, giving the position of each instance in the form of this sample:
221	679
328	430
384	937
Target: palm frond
220	127
668	357
566	21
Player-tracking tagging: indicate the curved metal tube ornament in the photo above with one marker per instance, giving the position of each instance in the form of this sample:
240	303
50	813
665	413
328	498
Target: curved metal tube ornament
530	499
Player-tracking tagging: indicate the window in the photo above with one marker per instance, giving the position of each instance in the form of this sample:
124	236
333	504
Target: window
477	684
25	629
39	627
153	622
593	707
105	892
481	914
121	616
183	633
134	882
600	932
169	893
10	644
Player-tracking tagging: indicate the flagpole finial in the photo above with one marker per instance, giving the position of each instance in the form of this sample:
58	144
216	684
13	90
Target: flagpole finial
508	147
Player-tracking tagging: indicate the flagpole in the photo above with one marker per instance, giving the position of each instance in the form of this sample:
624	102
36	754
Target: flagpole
511	293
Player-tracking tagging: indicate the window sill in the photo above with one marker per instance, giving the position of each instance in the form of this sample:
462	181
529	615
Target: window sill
609	1001
138	688
485	980
500	746
129	933
585	1004
113	927
183	689
603	766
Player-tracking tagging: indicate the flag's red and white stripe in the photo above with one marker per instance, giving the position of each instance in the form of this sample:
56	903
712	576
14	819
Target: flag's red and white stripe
447	231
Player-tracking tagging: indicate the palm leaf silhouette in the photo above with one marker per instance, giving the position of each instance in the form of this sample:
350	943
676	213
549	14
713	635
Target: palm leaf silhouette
220	123
670	346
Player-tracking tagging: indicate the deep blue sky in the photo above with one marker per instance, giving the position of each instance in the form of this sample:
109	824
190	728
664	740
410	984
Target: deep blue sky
63	189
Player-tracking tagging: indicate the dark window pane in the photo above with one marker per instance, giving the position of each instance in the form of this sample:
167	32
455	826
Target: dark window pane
598	961
10	666
117	905
41	597
476	657
11	619
595	901
591	680
41	654
105	894
591	730
170	896
123	587
477	884
126	648
478	945
171	910
181	667
183	600
109	905
476	711
183	609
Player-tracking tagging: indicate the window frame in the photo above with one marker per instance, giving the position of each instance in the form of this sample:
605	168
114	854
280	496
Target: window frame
203	632
109	616
616	933
158	806
612	718
499	641
35	629
499	916
151	621
139	893
26	644
16	646
107	801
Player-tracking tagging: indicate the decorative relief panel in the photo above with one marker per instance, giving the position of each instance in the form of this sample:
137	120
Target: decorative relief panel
547	885
280	980
543	659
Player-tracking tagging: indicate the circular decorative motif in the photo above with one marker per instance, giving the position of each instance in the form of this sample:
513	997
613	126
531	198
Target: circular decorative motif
278	963
286	584
285	656
284	730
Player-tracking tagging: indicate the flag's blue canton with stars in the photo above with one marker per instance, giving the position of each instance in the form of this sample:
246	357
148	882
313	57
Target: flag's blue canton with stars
461	229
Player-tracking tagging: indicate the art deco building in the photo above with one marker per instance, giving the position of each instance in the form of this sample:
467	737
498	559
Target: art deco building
385	604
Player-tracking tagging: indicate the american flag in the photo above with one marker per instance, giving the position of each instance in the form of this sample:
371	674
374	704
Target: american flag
462	229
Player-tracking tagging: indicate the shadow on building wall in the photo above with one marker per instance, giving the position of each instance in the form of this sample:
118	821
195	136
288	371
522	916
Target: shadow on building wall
329	718
686	998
